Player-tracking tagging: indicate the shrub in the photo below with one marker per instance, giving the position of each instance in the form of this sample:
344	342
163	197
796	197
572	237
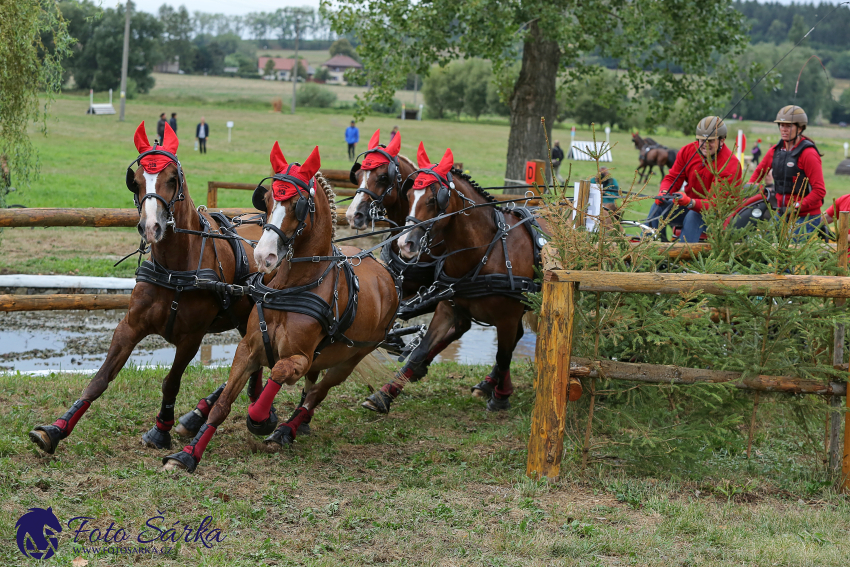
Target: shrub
311	94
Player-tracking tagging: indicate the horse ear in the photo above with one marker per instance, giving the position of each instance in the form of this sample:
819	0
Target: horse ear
169	140
376	139
141	139
446	163
395	145
422	157
276	158
312	164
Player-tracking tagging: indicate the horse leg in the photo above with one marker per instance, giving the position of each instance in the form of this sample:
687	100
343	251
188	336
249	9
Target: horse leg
445	328
508	335
287	432
309	384
243	366
124	340
159	436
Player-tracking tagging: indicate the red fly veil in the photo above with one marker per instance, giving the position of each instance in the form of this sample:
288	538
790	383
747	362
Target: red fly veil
156	163
377	159
423	180
283	190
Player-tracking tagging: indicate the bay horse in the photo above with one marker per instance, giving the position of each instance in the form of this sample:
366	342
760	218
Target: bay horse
652	154
316	309
482	276
181	311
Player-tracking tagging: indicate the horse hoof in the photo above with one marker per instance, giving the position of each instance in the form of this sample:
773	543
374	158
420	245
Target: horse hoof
483	389
189	424
304	429
262	427
47	437
156	438
378	402
178	461
496	404
281	437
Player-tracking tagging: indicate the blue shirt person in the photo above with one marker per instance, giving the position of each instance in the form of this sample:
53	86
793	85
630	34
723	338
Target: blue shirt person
352	136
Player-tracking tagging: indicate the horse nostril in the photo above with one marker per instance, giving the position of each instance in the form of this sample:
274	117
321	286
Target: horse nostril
141	229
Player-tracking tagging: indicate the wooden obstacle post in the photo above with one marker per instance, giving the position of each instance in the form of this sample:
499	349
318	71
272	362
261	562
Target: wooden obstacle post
581	204
551	384
838	350
63	301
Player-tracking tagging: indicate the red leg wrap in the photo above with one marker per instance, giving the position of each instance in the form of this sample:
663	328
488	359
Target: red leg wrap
67	422
204	407
199	443
392	389
299	416
164	425
259	411
437	349
506	388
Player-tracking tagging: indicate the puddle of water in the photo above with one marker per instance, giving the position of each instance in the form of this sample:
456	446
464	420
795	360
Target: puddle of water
79	342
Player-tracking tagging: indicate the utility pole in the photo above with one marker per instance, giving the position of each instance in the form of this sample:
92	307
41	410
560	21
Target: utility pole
125	60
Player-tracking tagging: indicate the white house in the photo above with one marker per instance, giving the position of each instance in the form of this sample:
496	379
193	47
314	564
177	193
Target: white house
337	66
283	68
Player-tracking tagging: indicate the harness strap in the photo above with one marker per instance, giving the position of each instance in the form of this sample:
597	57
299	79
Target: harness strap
267	343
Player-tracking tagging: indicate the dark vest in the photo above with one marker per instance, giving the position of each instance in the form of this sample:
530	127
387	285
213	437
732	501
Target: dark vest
787	175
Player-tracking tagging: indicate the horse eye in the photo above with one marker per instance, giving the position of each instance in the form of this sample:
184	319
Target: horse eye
431	201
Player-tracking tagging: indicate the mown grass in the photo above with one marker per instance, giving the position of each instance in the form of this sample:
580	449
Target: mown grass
437	482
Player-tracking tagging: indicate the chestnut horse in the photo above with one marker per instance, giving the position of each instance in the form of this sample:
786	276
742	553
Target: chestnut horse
486	269
182	315
316	310
652	154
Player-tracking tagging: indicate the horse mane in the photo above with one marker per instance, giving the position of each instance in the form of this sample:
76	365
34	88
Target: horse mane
474	184
331	196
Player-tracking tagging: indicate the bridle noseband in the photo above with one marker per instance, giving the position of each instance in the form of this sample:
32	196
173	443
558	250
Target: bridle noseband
134	187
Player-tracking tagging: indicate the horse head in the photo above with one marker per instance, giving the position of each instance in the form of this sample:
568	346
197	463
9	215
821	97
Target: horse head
637	141
157	183
430	196
289	206
380	177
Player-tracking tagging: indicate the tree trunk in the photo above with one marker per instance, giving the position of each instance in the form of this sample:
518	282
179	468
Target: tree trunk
533	98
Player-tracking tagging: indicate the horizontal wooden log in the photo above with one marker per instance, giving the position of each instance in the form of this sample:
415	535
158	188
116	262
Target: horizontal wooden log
769	285
666	374
66	282
101	218
65	301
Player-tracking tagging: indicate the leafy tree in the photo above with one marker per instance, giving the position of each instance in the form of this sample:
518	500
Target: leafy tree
177	36
210	57
841	110
343	47
98	63
478	74
436	92
778	31
840	65
777	90
599	99
268	69
798	30
322	74
551	37
34	40
311	94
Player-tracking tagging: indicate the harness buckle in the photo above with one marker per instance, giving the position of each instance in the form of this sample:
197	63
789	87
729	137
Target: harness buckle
174	306
508	265
317	259
483	260
263	326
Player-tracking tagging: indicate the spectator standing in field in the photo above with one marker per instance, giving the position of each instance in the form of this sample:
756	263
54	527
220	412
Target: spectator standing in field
393	132
557	158
352	136
757	152
160	127
202	132
173	122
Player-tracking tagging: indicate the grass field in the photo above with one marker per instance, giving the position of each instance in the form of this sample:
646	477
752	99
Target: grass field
314	57
437	482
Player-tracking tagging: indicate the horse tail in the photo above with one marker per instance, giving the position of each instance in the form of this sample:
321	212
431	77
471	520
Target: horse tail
329	193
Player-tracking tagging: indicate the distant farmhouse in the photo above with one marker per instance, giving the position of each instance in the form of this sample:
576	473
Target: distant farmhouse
337	66
282	68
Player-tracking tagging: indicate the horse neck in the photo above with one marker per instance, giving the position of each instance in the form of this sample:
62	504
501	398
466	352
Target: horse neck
179	251
314	241
400	208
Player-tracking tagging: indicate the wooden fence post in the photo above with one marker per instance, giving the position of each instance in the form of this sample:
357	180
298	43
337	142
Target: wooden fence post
581	205
554	344
838	349
212	195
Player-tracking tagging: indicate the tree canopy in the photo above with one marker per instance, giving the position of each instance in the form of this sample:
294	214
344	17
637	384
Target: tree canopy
680	50
34	40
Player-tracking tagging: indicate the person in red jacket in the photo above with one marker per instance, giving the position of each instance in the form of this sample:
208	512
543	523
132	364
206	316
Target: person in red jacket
796	166
691	181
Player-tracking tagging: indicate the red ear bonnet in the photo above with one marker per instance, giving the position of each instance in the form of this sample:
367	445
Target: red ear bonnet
421	157
155	163
423	180
283	190
376	159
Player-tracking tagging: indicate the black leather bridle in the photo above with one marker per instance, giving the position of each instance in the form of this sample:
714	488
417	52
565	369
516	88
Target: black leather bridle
134	187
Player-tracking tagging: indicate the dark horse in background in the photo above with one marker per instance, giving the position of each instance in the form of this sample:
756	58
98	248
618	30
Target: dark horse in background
651	154
181	314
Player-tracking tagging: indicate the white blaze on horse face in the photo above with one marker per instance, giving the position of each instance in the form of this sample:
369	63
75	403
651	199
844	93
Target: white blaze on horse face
150	205
417	194
268	244
358	198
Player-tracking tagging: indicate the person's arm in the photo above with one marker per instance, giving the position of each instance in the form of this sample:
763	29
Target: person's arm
763	168
675	175
812	167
